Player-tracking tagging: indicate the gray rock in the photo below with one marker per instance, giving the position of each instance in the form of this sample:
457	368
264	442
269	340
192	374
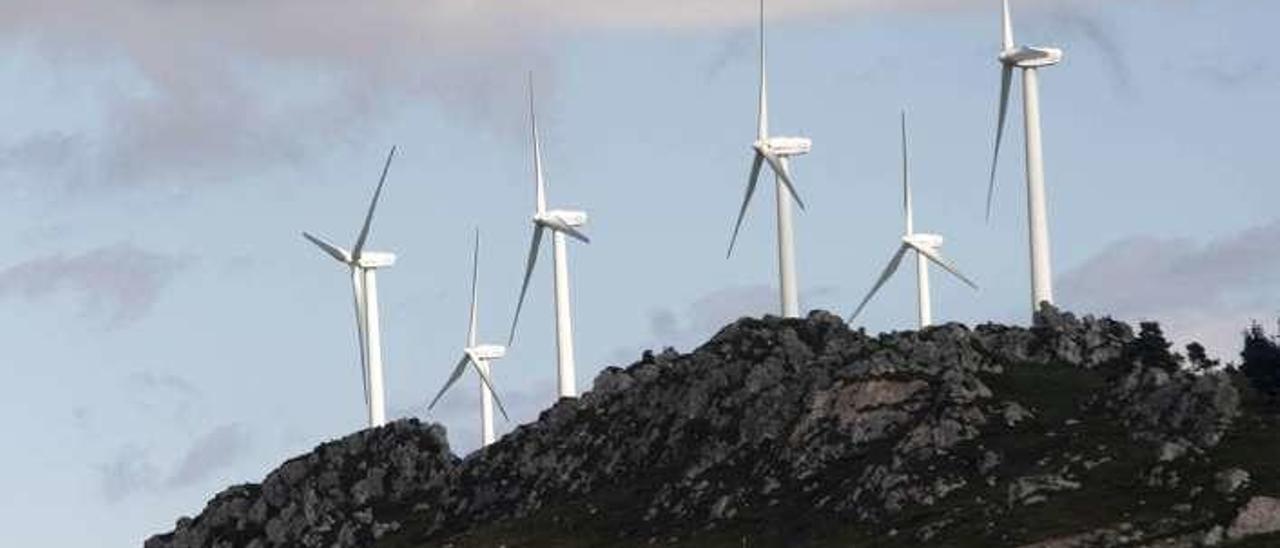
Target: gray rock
1230	481
1260	516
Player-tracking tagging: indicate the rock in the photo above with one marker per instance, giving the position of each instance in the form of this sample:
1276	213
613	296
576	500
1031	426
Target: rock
1036	489
1214	536
1261	515
1231	480
797	425
1171	450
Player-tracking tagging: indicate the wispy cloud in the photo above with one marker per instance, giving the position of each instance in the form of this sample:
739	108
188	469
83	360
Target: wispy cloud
163	382
210	91
129	473
211	453
1205	291
1098	33
119	283
133	470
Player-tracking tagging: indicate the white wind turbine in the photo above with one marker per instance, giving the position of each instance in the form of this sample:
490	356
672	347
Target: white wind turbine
480	356
364	266
1029	59
927	248
560	223
776	151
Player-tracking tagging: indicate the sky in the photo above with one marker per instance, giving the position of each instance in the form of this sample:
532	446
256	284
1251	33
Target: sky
170	332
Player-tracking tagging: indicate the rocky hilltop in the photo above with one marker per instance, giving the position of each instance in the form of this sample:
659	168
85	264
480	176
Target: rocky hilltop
1076	432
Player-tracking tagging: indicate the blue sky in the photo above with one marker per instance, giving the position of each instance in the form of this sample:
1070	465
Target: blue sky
169	331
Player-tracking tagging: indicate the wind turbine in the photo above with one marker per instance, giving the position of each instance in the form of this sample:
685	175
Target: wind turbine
364	282
927	248
1030	59
775	151
479	356
560	223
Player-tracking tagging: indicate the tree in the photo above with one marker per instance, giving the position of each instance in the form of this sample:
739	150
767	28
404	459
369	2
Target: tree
1261	357
1199	359
1152	349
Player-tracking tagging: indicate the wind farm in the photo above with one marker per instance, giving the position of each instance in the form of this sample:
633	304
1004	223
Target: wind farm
670	333
770	153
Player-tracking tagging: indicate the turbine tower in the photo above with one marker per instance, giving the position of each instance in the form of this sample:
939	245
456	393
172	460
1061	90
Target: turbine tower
776	151
364	267
927	248
479	356
1030	59
561	223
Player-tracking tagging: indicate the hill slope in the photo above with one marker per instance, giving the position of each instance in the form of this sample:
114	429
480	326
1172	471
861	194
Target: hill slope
803	432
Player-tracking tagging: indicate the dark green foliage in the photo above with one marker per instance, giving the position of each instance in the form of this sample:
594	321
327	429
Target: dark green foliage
1199	359
1261	363
1151	349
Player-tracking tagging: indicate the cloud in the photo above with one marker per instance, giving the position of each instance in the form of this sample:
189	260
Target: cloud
133	471
1206	291
211	453
120	282
1102	36
1234	74
163	382
129	473
204	91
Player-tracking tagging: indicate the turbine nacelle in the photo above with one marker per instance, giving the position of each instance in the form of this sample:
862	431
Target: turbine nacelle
557	219
784	146
932	242
487	352
375	259
1031	57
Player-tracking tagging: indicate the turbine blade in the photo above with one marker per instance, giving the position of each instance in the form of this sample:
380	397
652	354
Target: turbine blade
884	277
458	370
781	170
334	251
539	181
946	265
762	127
357	285
475	291
1006	81
746	200
373	205
573	233
906	179
528	273
488	383
1006	28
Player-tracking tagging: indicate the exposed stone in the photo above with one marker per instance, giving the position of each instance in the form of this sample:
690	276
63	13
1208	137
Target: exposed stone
777	417
1261	515
1231	480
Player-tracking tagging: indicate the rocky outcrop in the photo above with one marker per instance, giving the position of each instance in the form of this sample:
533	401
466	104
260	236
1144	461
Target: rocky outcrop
337	495
788	432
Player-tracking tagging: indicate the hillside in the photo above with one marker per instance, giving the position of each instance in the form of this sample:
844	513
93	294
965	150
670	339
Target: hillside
1077	432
